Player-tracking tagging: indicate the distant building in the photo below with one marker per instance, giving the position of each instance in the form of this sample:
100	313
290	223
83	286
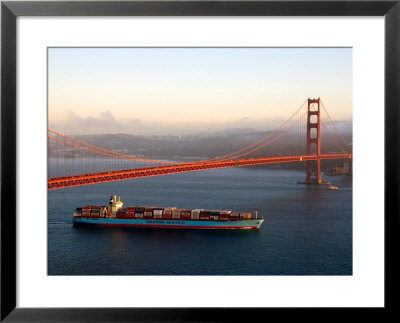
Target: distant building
346	169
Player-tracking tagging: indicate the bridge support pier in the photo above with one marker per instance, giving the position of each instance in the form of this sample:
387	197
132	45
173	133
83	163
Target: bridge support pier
313	170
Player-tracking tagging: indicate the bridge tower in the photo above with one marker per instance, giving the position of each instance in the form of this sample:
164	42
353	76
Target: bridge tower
313	172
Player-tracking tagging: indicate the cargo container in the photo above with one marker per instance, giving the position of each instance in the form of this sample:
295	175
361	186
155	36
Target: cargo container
195	214
185	214
234	216
176	213
224	215
204	215
245	216
157	213
214	215
148	213
121	214
167	213
167	216
225	212
139	214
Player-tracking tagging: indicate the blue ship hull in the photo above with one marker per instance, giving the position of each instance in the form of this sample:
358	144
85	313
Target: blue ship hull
174	223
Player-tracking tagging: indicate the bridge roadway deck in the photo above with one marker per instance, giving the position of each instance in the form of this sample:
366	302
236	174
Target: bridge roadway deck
77	180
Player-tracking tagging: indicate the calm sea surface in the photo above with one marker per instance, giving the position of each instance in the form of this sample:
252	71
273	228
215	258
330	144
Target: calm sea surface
307	229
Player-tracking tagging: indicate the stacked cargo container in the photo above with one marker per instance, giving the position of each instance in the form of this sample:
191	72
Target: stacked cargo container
148	213
121	214
95	211
234	216
195	214
164	213
139	212
157	213
78	212
176	213
244	215
224	215
214	215
204	215
86	211
167	213
185	214
130	212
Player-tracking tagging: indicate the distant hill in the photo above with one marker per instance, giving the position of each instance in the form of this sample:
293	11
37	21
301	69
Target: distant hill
196	146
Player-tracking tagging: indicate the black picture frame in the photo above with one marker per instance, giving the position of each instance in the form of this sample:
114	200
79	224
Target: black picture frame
10	10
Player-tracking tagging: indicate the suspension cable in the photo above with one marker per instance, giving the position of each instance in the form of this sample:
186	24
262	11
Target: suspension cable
340	135
111	153
262	139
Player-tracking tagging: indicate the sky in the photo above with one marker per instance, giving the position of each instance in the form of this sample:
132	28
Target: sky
178	91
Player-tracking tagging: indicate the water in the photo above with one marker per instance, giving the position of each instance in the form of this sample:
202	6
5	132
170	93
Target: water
307	229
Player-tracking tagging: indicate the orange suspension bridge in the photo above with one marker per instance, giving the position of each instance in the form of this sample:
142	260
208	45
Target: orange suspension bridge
73	162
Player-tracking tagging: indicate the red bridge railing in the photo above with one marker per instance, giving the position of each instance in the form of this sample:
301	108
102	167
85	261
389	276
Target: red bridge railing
77	180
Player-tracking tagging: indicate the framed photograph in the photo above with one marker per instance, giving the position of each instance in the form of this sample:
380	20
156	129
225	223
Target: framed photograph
128	126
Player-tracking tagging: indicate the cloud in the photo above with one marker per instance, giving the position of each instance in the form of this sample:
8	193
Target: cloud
106	123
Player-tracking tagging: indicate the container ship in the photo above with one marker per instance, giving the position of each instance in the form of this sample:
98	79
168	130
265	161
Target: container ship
164	217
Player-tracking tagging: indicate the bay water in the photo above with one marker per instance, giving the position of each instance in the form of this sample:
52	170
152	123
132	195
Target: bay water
307	228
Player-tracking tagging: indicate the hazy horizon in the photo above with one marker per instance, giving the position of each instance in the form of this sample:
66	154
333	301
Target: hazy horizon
343	126
179	91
